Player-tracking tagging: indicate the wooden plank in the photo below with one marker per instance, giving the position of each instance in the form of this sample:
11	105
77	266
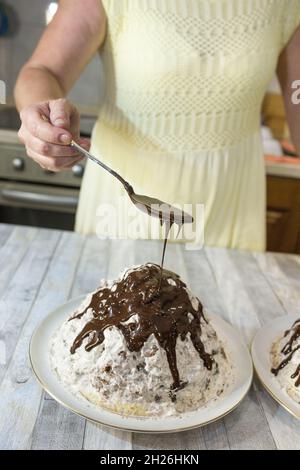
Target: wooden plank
215	436
98	437
247	427
240	309
203	283
20	402
5	232
235	293
17	301
12	253
285	428
283	275
260	292
92	266
57	428
262	280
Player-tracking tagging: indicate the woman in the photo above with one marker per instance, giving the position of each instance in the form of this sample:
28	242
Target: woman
181	119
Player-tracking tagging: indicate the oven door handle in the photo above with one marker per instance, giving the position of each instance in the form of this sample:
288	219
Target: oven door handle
39	198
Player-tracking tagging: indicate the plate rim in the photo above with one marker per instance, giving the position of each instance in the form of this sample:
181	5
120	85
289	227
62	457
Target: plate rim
126	428
266	387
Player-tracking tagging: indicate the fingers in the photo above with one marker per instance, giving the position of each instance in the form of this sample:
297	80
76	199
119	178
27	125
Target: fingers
64	114
47	130
44	148
53	164
60	112
34	120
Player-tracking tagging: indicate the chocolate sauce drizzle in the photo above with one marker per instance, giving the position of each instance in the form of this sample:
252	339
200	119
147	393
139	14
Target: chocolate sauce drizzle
166	312
167	219
168	216
289	350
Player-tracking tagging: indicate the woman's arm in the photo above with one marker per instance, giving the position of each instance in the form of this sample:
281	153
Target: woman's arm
67	45
288	72
48	120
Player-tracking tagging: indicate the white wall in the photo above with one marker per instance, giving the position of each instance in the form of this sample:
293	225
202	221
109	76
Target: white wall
16	50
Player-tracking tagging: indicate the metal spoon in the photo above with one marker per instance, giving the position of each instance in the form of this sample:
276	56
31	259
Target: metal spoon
165	212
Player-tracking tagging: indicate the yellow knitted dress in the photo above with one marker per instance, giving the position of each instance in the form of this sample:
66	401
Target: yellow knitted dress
185	81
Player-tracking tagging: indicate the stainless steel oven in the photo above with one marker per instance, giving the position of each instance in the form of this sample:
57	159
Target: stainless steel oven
30	195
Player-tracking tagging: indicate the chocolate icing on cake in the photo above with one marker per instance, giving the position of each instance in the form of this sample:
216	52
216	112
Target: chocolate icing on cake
289	350
166	312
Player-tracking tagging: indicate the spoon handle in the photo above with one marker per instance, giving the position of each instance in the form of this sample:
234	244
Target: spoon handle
84	152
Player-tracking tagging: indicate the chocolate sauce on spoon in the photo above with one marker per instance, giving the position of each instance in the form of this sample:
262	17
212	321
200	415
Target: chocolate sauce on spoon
133	306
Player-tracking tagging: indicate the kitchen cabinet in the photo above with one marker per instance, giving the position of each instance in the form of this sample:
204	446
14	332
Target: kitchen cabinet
283	214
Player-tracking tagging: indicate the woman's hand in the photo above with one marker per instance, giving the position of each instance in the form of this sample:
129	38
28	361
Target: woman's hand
47	130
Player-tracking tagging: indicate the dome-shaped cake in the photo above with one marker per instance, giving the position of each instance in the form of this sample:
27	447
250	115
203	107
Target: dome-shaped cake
141	345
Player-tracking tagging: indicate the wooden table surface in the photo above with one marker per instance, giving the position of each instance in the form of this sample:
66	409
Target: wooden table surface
41	269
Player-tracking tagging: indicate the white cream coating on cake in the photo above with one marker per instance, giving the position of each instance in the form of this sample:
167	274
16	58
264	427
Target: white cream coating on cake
284	376
138	383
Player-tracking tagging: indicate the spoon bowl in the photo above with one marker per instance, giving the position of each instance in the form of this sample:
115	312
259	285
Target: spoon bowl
166	213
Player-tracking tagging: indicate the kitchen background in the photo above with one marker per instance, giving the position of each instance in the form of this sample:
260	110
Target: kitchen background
32	196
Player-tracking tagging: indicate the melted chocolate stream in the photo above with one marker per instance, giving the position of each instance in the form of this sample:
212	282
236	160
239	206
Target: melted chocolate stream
167	313
168	227
168	216
289	349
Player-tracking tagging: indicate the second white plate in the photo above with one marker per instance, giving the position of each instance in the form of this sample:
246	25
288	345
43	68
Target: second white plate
236	349
260	350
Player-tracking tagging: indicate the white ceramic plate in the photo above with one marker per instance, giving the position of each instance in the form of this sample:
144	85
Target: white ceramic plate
260	350
40	362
